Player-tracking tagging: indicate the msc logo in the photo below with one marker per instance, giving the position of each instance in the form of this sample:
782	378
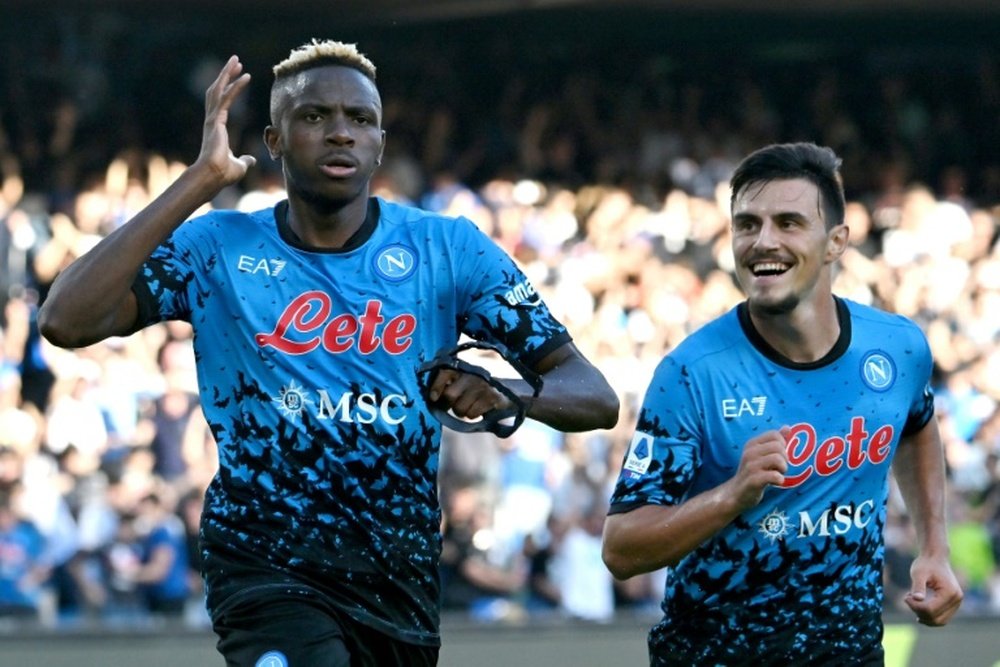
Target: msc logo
774	526
838	520
831	521
395	262
737	407
878	371
254	265
364	408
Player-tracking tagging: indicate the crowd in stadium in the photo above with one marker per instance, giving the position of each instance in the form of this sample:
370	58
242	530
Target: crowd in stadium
609	186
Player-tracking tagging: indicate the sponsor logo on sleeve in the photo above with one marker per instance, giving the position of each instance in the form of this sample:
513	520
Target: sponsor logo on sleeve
640	455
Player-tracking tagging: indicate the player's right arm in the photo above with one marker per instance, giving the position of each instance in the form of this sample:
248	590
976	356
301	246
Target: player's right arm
92	298
653	536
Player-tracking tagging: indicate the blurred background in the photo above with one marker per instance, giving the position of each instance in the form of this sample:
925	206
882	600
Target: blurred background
593	141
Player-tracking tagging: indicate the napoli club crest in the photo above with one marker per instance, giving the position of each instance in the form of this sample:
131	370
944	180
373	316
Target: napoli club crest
395	262
878	370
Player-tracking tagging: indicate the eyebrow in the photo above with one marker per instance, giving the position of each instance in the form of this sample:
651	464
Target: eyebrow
779	215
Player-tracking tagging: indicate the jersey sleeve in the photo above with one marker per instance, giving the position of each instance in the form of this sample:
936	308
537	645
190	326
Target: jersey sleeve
499	303
922	409
165	281
665	452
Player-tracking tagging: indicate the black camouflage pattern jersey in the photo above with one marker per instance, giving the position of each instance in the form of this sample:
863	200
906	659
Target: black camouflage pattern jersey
796	580
306	366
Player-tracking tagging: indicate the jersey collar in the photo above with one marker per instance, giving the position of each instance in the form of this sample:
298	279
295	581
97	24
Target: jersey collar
838	349
358	238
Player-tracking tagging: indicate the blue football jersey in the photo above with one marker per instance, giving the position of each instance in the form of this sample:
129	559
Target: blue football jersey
307	373
796	579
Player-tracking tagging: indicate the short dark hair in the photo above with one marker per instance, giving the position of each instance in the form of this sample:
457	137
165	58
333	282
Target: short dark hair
817	164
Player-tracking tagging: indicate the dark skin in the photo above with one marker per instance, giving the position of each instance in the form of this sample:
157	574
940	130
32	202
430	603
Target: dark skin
326	129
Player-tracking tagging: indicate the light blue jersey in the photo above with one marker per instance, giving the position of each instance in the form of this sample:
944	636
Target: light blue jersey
798	578
307	372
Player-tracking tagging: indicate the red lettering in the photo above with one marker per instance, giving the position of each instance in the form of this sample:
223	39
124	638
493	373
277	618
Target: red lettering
880	445
368	342
829	456
398	333
856	439
297	315
797	456
339	333
310	312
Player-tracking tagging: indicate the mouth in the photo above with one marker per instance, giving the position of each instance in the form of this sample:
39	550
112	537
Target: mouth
768	269
339	166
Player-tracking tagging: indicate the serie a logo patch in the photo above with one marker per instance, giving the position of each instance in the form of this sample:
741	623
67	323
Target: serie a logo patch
640	454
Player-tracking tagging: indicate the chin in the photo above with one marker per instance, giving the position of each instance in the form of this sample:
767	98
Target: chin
773	306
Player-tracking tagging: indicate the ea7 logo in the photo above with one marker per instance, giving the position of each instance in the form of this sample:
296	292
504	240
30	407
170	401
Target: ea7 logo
738	407
270	267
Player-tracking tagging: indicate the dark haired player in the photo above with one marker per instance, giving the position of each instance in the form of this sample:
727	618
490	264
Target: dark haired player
320	532
759	470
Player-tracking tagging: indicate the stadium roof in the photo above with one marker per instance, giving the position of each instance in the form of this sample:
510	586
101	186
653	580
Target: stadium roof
424	10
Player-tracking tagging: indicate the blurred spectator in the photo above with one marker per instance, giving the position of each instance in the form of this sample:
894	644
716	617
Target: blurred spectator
22	566
606	181
472	580
586	588
156	561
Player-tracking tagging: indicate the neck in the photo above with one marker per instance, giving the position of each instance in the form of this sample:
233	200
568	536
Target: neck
805	334
326	224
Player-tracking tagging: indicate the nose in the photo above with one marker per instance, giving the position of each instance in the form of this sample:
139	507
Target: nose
767	235
338	131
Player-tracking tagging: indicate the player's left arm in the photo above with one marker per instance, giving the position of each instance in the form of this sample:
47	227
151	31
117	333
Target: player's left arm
918	466
575	395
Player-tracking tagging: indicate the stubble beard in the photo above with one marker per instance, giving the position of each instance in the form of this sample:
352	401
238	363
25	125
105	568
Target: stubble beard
783	306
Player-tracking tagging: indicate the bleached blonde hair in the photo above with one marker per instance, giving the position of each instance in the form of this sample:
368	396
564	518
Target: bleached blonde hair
324	52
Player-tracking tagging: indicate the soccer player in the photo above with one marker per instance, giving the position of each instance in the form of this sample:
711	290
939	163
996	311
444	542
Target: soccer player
759	469
320	532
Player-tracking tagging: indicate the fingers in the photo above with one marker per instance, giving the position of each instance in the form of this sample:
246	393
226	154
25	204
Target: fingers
227	85
467	396
935	595
763	463
768	454
933	608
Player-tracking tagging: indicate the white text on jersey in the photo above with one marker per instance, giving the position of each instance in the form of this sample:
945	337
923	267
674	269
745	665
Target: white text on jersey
737	407
270	267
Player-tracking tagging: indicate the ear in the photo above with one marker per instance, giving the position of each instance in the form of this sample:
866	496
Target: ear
272	139
381	149
836	242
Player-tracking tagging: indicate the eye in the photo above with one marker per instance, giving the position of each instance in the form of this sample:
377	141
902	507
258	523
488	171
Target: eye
312	117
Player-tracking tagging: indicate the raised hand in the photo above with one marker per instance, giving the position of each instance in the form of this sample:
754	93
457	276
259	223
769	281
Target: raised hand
216	153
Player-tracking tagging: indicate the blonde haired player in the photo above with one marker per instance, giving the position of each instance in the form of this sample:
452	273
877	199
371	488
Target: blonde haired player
320	532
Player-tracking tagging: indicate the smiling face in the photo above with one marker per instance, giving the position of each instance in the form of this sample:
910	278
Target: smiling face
782	246
327	131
